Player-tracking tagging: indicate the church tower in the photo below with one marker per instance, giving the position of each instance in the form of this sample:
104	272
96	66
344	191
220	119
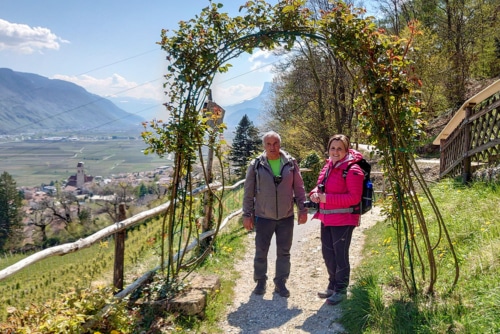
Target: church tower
80	175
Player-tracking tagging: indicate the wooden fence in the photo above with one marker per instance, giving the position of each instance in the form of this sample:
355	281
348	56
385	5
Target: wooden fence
475	142
117	230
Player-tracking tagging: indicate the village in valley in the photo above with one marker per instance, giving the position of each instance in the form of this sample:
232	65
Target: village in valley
83	198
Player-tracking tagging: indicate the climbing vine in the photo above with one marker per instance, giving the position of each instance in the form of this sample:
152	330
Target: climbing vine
388	104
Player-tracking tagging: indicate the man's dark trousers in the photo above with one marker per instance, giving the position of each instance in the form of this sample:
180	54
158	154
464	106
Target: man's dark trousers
264	231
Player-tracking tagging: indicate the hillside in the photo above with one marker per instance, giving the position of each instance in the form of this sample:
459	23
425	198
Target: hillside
30	103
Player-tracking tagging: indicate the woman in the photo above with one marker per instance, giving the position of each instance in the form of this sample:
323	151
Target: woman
338	195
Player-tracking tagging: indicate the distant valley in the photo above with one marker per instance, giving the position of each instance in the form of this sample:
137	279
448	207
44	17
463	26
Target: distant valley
47	126
31	104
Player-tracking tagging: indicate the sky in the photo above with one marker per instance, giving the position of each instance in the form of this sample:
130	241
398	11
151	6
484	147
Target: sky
109	47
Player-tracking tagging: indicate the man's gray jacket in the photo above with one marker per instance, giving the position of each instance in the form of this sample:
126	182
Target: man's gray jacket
268	197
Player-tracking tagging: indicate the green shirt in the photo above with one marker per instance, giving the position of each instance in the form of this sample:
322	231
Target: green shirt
275	166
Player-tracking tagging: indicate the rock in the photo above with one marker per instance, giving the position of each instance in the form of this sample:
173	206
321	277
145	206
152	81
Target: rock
191	302
208	283
194	300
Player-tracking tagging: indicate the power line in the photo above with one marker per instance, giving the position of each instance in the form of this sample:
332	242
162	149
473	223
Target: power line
119	61
256	69
100	98
120	92
123	91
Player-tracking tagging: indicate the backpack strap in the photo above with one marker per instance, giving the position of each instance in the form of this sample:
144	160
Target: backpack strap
256	165
321	185
345	171
356	208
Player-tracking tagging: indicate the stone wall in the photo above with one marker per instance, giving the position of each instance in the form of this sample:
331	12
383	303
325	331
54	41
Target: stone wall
490	175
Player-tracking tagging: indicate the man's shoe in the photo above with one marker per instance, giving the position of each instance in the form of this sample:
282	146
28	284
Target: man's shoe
281	289
325	294
336	298
260	289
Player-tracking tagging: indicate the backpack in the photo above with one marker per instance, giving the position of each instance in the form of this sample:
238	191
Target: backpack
367	198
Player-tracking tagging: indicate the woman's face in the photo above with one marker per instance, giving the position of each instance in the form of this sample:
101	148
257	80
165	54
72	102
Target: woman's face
337	151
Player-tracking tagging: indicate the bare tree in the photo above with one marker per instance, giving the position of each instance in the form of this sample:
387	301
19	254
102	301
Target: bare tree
41	218
312	88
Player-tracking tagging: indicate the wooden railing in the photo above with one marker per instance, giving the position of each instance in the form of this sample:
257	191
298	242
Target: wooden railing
116	229
475	142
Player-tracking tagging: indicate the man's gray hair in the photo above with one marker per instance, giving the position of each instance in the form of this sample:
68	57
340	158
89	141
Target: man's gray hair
272	134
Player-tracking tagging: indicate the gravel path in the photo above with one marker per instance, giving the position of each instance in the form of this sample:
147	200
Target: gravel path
303	311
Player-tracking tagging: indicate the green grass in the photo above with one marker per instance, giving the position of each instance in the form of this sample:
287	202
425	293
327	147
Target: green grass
379	303
80	302
93	266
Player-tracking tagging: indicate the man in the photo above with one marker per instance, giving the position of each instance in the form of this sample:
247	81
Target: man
273	184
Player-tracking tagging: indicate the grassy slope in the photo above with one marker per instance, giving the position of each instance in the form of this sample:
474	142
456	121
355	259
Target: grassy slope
88	267
379	303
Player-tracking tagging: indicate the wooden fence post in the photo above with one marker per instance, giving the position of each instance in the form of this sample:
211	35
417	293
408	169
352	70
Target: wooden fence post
119	251
467	175
218	112
442	156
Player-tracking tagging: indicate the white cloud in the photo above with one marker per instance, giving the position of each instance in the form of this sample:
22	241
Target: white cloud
117	86
226	96
262	60
260	54
24	39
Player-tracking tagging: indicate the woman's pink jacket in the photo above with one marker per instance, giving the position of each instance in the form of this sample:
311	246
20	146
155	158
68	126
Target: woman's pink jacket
341	193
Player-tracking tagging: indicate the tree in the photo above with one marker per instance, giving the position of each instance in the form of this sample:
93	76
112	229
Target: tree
125	189
313	164
312	88
246	144
41	218
141	190
62	207
463	36
10	209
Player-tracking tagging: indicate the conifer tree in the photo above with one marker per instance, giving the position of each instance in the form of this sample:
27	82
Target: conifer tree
10	209
246	144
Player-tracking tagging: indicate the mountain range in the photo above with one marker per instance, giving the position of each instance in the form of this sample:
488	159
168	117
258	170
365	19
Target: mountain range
30	103
253	108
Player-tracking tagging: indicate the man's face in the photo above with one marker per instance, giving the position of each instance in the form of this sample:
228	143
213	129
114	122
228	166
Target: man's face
272	147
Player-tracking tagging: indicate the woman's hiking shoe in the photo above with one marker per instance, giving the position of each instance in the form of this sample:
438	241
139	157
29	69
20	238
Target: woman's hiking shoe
260	289
336	298
281	289
325	294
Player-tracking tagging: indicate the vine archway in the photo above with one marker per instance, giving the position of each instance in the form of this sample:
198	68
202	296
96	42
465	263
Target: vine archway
389	109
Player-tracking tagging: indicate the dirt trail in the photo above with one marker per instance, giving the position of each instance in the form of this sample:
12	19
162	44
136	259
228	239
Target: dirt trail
303	311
